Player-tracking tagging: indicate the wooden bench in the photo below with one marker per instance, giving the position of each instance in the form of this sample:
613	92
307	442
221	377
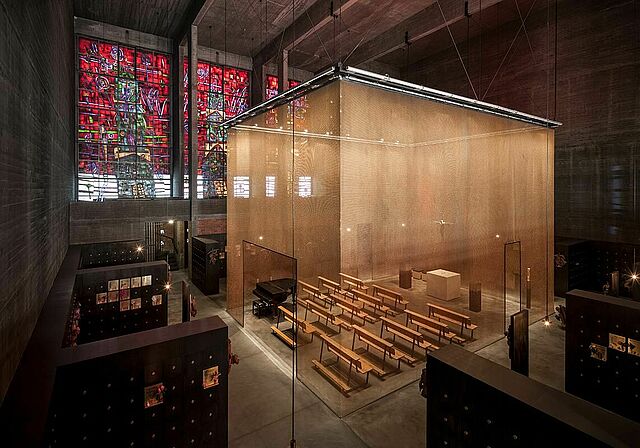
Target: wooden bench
352	282
352	308
387	294
431	325
305	326
397	329
349	356
443	313
330	285
374	302
323	313
386	347
314	293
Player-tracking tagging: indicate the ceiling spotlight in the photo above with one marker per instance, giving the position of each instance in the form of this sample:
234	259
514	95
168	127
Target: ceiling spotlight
348	229
167	286
634	276
547	322
139	249
171	221
260	238
497	235
403	225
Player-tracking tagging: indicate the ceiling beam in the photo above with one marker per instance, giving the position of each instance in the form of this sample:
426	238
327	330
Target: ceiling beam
316	17
418	26
193	15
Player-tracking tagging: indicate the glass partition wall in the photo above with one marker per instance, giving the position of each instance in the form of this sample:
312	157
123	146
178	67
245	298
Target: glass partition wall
397	209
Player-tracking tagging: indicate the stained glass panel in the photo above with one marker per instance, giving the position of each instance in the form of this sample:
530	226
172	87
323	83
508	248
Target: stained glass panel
223	92
124	129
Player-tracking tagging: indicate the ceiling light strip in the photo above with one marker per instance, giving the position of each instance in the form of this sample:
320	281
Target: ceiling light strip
391	84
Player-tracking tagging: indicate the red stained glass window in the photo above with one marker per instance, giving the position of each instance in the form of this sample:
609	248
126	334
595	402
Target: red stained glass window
222	93
124	130
272	89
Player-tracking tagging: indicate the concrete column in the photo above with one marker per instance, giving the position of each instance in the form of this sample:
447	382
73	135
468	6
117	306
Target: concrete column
283	71
193	130
193	115
177	105
257	83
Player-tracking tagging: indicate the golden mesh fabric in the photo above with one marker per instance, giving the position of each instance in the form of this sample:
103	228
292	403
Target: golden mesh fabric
368	182
408	163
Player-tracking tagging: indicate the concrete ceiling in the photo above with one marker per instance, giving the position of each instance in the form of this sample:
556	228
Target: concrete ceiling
159	17
246	26
359	31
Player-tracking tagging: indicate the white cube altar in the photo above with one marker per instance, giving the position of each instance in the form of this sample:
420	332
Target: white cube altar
443	284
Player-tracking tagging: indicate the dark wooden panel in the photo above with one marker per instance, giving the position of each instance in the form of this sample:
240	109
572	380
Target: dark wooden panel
107	320
474	402
596	368
100	399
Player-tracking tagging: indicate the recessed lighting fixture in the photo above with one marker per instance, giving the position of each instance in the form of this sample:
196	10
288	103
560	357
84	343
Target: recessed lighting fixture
167	286
403	225
348	229
171	221
260	238
139	249
547	323
497	235
634	276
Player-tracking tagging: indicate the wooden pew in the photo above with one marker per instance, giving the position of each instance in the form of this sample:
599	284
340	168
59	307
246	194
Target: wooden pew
431	325
352	282
305	326
374	302
314	293
442	313
330	285
386	347
392	296
323	313
349	356
352	308
406	333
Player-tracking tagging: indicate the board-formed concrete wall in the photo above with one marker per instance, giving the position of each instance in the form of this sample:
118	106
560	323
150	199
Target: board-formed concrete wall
36	163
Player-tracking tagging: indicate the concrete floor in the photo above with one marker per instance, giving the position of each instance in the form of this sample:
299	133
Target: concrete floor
260	391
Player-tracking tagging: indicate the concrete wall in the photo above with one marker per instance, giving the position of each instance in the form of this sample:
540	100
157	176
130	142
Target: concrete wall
597	158
121	220
36	163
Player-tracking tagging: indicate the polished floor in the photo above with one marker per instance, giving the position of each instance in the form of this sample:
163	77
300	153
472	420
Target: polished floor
260	390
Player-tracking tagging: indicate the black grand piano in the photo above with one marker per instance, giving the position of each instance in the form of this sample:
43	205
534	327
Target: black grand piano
271	294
